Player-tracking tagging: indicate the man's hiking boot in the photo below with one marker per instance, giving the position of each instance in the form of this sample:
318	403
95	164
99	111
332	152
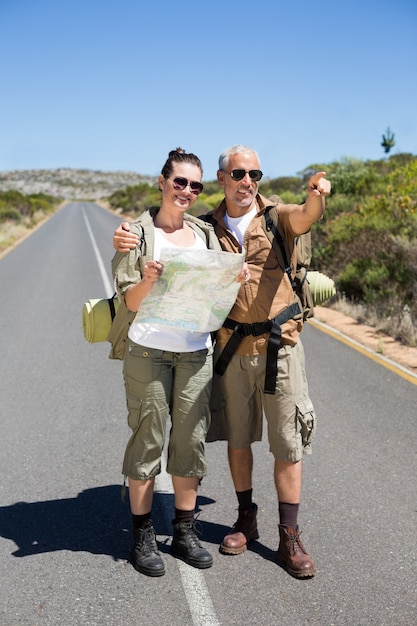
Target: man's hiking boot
292	554
186	546
243	531
144	554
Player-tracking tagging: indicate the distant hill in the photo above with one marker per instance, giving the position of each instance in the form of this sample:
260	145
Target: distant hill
70	184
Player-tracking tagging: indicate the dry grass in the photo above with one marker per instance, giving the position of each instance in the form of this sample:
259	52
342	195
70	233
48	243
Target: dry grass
398	324
11	232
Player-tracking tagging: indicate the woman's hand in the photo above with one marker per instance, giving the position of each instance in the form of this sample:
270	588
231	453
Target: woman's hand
136	293
152	271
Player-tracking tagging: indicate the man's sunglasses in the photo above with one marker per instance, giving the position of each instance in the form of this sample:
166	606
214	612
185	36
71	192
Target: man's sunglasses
240	174
180	184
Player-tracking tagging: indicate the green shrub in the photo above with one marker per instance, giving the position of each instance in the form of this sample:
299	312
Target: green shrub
278	186
16	200
8	213
135	199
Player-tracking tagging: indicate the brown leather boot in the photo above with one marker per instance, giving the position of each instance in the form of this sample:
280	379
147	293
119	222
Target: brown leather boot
243	531
291	553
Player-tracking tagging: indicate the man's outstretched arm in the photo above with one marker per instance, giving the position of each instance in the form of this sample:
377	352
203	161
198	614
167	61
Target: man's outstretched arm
302	217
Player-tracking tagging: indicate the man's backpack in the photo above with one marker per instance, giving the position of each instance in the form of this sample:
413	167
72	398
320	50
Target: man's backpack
298	279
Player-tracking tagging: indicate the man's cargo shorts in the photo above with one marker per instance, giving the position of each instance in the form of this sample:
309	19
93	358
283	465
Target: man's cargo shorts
239	403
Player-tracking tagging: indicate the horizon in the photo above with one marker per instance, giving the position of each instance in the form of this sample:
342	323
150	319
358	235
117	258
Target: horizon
141	174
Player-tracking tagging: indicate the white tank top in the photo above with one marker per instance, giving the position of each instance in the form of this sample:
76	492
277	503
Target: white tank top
163	337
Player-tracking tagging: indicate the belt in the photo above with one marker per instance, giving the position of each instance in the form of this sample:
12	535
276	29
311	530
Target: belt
273	327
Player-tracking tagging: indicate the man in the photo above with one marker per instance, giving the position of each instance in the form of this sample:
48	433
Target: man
258	355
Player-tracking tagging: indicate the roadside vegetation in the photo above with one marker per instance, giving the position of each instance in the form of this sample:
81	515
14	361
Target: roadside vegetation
20	213
366	241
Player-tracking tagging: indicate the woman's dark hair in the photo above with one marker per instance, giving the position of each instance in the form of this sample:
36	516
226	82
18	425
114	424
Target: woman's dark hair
180	156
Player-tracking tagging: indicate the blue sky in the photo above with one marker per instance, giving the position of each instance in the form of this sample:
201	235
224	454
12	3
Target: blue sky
115	85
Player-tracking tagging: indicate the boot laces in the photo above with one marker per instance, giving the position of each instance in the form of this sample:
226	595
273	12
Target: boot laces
147	542
294	541
192	534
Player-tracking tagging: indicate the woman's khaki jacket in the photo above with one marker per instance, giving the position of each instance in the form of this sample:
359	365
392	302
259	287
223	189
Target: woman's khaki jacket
127	269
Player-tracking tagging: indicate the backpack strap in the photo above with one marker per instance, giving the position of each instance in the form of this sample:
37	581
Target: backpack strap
278	244
111	305
273	327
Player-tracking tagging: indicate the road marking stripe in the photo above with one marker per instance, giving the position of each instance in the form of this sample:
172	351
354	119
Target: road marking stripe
195	588
378	358
107	284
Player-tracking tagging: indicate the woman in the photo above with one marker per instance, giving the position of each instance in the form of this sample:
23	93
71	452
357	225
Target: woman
167	371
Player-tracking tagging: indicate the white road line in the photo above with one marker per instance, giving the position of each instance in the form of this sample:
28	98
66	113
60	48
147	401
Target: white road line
195	588
107	284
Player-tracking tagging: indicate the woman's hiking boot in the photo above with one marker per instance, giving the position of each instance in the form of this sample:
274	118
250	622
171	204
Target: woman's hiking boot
186	546
144	554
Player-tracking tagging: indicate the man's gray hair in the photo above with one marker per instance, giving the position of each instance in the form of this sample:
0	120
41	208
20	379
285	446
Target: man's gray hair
226	154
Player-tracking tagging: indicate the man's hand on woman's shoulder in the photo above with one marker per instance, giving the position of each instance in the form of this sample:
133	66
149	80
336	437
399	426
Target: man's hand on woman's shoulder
123	239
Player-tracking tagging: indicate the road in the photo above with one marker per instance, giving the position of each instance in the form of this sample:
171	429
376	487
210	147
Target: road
65	532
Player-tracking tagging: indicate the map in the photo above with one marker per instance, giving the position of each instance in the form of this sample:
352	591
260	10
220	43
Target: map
195	291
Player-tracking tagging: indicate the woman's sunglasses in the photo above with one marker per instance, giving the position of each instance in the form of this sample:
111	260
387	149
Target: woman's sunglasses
180	184
240	174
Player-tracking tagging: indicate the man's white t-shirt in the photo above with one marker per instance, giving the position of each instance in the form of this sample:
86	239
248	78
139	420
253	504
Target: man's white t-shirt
238	225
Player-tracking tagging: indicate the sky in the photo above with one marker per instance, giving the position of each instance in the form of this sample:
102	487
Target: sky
115	85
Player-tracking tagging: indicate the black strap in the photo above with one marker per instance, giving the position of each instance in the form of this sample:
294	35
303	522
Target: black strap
270	226
239	332
273	327
112	307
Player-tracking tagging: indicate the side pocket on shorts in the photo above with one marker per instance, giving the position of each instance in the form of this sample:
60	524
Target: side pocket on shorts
306	424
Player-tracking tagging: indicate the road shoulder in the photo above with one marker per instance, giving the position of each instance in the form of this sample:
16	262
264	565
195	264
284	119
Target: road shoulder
367	336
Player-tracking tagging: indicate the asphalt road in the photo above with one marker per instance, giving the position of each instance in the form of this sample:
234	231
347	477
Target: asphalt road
65	532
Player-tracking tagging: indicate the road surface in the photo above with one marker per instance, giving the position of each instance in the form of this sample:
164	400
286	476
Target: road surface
65	532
